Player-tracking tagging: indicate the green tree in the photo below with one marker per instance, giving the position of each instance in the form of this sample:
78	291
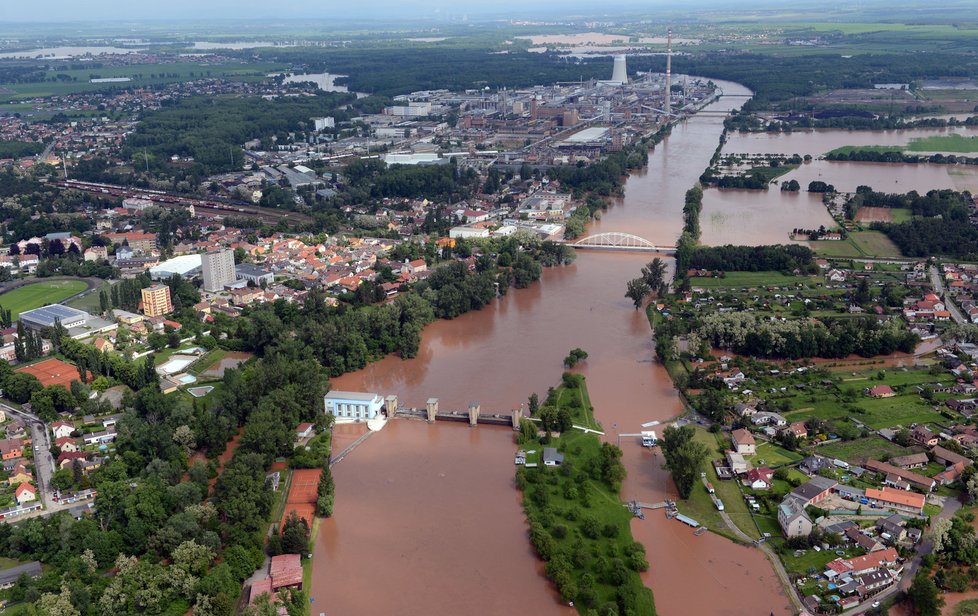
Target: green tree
637	290
295	534
684	456
925	596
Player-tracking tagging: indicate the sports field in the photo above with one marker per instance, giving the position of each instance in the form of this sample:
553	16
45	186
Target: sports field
40	294
302	495
52	372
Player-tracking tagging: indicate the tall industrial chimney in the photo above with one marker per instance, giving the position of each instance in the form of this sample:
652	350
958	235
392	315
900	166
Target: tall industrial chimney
620	73
669	73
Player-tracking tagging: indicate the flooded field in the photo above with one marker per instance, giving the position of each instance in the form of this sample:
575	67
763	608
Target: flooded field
757	217
818	142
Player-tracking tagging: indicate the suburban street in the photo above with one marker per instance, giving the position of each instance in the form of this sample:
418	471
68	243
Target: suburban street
43	461
935	280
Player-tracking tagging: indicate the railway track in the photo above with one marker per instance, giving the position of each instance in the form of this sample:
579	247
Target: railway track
214	207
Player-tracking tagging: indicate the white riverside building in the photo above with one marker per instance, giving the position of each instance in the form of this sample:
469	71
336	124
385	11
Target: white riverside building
353	404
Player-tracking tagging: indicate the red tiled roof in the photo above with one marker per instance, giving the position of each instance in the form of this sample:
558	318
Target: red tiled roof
286	570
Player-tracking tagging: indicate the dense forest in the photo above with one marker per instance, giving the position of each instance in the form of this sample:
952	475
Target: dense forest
781	258
947	203
941	226
212	129
896	156
372	179
19	149
757	336
933	237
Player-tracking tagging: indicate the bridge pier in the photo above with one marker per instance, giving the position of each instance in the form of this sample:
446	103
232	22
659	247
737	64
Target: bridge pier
517	417
474	411
432	409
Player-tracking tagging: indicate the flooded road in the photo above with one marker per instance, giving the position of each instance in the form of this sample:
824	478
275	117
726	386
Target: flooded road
415	501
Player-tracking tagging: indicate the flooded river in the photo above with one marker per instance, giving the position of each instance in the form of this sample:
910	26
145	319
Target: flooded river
428	516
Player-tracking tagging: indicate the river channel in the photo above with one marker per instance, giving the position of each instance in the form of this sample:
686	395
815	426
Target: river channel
427	519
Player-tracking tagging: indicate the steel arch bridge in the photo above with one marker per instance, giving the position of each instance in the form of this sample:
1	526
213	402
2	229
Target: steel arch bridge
620	241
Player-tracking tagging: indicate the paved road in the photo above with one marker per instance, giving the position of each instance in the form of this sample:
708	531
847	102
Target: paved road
43	460
935	280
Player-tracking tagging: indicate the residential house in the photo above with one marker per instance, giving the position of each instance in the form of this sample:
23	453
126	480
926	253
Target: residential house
880	391
759	478
768	419
793	519
99	438
797	428
870	583
19	474
861	565
67	444
11	448
923	436
25	493
892	528
743	442
864	541
813	464
61	429
814	490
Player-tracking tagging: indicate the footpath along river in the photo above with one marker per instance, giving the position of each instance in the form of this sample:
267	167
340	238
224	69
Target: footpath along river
427	519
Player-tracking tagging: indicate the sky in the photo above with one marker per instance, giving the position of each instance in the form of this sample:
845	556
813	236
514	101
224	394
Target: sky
102	10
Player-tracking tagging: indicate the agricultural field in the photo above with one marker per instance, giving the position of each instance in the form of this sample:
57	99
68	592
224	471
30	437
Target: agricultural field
862	243
141	74
945	143
736	280
40	294
874	446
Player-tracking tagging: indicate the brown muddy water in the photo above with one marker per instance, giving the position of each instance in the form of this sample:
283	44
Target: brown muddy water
427	519
821	141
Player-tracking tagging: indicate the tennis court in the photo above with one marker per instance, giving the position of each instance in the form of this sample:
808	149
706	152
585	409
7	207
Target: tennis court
302	495
52	372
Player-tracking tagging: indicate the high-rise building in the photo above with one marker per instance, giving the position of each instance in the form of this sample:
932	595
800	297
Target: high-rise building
156	301
217	268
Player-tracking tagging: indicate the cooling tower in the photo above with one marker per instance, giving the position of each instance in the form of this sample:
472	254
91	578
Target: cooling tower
620	74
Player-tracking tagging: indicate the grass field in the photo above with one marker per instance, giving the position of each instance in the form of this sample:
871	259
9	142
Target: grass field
141	74
849	149
774	456
40	294
874	243
754	279
91	302
875	447
944	143
862	243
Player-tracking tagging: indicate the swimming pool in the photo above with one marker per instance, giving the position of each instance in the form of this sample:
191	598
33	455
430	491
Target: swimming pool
186	379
